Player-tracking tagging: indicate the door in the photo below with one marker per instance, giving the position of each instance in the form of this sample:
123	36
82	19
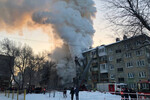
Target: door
111	88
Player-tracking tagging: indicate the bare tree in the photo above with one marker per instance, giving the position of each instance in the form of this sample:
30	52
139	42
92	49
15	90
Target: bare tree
35	64
49	75
130	16
23	61
26	64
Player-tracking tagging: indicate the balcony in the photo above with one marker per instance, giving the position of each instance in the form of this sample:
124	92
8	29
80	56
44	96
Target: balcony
94	64
94	69
94	72
103	68
104	77
104	80
104	71
101	51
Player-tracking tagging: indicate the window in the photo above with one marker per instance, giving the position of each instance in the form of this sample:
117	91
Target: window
140	63
138	53
120	69
130	75
111	67
128	55
118	60
129	64
110	58
101	50
103	66
92	53
132	85
118	51
142	74
112	76
103	58
121	80
145	86
110	50
127	46
137	43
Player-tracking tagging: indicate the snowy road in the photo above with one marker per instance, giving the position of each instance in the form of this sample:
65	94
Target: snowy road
59	96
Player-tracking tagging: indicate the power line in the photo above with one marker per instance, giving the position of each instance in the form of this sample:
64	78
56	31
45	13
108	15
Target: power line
25	39
35	40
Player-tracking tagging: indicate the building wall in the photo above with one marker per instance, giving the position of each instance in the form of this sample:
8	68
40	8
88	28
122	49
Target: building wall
130	58
6	63
124	60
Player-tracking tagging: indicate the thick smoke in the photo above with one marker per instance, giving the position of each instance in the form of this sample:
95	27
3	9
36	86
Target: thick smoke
16	14
71	21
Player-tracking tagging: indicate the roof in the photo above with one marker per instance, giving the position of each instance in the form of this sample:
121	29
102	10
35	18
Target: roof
117	42
88	50
128	39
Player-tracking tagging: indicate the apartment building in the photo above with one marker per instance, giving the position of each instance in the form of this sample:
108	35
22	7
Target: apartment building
6	66
125	61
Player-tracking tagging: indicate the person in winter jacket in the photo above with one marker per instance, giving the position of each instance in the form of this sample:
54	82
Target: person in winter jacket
77	93
72	93
65	93
132	94
126	95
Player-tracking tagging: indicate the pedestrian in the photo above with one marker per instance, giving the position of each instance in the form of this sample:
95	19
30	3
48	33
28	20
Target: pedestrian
65	93
122	95
72	93
132	94
126	95
77	93
44	90
53	93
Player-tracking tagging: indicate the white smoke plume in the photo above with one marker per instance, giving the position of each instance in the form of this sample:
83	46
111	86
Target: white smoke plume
17	14
71	21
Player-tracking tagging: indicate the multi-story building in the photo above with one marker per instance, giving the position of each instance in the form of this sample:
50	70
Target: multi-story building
126	61
6	66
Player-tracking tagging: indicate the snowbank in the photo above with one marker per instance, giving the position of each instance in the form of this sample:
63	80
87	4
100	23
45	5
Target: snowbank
83	95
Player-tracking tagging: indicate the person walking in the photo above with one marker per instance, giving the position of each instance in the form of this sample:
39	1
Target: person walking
126	95
122	95
44	90
77	93
132	94
65	93
72	93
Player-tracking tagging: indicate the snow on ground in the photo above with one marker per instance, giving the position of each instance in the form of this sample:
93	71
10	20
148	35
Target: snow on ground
83	95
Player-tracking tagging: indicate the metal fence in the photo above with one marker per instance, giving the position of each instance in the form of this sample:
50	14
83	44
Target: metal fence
15	94
137	96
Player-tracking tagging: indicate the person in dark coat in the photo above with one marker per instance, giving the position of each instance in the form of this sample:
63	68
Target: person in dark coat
44	90
65	93
133	94
77	93
126	95
72	93
122	95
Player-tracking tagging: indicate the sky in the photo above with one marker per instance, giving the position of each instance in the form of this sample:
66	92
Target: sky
39	41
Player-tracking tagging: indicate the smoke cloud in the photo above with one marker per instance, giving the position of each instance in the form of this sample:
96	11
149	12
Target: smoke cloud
16	14
71	21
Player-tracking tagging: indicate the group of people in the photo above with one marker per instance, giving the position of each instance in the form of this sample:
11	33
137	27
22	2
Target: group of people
128	92
72	92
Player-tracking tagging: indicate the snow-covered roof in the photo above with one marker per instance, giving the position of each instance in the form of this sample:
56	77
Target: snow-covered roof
88	50
102	46
126	39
